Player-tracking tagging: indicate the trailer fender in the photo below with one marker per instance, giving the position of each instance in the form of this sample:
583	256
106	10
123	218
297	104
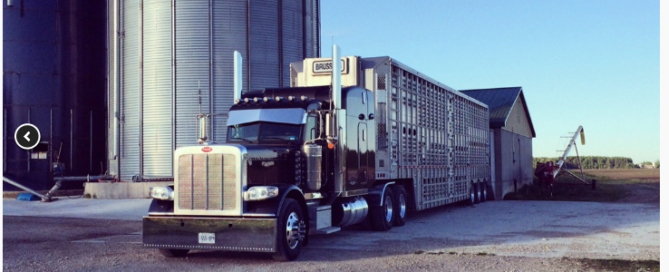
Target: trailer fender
375	194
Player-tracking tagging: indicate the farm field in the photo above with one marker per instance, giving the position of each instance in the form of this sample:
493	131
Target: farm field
612	185
625	174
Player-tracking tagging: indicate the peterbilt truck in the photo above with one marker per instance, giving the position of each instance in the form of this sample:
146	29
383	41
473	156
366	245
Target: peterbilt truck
365	145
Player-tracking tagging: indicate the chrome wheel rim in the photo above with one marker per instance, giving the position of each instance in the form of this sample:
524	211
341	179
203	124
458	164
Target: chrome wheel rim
403	205
389	209
292	230
478	190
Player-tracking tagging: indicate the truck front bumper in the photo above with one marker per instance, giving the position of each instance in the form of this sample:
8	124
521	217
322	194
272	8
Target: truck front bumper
232	234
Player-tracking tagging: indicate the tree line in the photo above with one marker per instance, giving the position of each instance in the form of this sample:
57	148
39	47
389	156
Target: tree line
591	162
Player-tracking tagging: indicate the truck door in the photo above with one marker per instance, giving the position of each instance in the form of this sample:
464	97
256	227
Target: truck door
363	154
360	139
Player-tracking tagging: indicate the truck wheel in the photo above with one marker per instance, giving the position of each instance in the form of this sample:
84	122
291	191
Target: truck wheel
484	191
477	189
289	235
382	217
170	252
400	207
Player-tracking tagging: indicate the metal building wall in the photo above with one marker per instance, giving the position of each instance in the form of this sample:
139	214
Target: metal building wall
517	121
54	78
513	158
176	61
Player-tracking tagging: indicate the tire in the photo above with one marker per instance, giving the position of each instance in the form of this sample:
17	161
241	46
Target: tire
484	191
171	253
290	231
472	195
382	217
399	205
477	188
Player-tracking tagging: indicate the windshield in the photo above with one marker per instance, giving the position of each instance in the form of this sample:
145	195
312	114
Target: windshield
262	132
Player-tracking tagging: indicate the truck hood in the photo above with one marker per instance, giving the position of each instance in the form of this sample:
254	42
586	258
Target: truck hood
268	165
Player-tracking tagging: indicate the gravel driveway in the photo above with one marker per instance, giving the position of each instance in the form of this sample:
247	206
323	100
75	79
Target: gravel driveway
492	236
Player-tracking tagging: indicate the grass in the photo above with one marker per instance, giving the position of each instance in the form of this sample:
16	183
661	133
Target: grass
612	185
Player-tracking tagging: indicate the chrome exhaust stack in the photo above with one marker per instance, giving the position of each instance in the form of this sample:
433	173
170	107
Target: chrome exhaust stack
237	77
334	122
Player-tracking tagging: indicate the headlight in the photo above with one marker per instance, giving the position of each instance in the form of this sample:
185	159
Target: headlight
260	193
162	193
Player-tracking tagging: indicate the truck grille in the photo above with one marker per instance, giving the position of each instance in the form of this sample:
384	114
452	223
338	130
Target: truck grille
207	182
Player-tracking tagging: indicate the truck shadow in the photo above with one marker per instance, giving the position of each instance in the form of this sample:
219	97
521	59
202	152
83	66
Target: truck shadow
490	228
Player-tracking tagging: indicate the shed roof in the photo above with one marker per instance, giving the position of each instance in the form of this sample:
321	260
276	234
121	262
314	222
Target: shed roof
500	102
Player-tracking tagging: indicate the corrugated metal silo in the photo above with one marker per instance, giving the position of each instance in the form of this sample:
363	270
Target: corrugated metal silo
54	78
174	60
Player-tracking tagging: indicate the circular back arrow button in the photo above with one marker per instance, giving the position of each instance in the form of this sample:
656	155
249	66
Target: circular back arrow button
27	136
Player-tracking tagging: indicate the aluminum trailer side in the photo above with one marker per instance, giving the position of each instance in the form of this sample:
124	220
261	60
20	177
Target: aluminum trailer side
430	138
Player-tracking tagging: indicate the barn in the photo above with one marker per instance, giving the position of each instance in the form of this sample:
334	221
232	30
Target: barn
511	134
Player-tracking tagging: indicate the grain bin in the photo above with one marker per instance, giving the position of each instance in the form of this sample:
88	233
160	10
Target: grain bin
54	77
170	60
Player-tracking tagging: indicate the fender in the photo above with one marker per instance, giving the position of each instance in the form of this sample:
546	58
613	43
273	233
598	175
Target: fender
286	190
162	206
271	206
375	194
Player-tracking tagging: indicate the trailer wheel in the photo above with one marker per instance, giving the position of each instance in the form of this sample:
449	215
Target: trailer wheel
171	252
477	188
400	207
290	232
472	195
382	217
484	191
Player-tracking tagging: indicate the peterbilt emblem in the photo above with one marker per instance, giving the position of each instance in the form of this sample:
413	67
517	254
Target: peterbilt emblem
207	149
268	163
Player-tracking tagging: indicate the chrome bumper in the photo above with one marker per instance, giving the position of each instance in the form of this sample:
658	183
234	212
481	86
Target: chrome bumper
231	234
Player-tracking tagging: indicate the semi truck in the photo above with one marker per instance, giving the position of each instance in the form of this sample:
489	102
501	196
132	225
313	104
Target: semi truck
367	144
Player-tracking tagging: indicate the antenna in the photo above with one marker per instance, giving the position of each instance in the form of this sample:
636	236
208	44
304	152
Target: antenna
199	96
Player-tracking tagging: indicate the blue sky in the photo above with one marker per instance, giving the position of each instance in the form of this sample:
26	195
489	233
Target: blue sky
593	63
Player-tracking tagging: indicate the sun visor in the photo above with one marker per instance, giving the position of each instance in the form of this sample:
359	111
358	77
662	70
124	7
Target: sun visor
284	116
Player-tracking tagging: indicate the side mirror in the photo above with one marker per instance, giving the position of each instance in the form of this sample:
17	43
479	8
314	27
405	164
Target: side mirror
371	116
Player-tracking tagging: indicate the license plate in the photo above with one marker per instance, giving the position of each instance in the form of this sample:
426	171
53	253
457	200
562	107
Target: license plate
206	238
